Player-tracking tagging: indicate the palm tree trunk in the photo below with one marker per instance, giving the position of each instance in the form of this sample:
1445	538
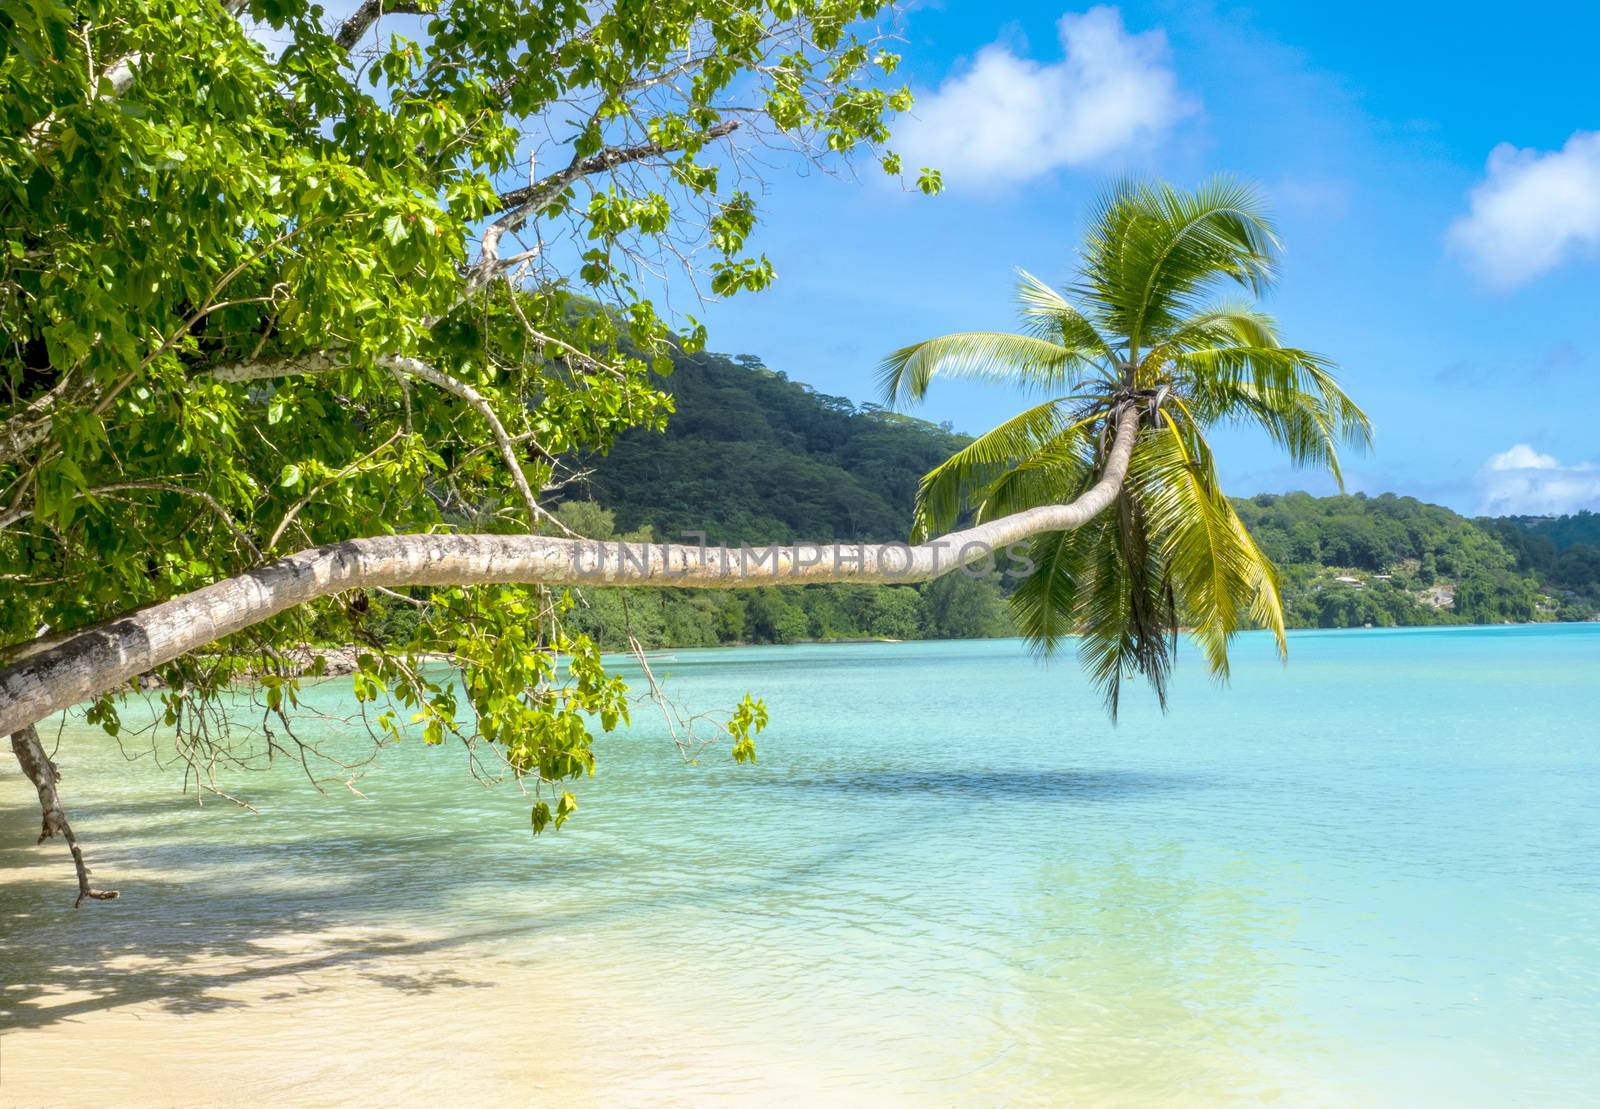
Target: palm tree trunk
96	660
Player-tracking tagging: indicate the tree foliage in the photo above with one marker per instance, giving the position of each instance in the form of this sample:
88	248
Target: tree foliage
383	274
1580	529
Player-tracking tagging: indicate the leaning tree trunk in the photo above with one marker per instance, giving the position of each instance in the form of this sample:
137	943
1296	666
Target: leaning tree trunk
102	658
96	660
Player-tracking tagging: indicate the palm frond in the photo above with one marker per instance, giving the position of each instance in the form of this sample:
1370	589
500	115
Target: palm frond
1266	600
1345	416
1127	616
994	356
1049	315
1193	525
1057	472
1045	603
955	485
1289	393
1153	250
1220	325
1297	422
1273	372
1105	583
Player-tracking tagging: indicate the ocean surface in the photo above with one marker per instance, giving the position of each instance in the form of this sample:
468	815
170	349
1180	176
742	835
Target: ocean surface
1371	877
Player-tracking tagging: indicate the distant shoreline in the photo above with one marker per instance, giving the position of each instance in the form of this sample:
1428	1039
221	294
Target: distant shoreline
340	662
652	653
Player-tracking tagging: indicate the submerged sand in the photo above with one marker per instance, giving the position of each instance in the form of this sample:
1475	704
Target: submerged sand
362	1018
347	1016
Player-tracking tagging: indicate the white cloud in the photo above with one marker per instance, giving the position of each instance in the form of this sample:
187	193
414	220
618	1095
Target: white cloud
1533	211
1523	482
1008	118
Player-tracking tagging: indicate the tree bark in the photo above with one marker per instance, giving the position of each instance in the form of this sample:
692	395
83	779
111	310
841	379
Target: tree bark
359	21
44	776
105	657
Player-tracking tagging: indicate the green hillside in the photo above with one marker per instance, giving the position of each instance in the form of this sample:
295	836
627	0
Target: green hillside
1389	561
750	456
1562	552
1561	533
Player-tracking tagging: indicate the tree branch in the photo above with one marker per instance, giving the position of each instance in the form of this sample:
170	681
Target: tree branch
44	776
31	425
324	361
518	205
356	25
541	192
413	367
103	658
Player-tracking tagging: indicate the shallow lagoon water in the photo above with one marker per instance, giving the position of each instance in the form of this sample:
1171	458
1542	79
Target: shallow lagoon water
1369	877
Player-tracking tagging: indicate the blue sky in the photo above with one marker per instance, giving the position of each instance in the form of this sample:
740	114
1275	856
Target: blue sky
1433	170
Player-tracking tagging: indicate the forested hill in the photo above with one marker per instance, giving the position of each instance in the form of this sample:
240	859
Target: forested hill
1553	536
1390	560
754	457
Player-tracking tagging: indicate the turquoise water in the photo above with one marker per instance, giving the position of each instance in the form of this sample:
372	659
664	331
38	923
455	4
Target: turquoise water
1369	877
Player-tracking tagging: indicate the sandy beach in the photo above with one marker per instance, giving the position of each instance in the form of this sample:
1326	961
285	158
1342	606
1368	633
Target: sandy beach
342	1016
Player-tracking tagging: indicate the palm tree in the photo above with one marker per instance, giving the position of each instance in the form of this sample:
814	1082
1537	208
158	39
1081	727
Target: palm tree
1141	342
